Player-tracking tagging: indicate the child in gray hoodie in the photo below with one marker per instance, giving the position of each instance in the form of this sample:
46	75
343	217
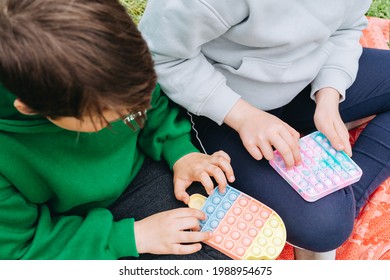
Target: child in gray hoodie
255	74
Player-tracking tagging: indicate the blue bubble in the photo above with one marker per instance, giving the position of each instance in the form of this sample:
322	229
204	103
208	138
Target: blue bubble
210	209
216	200
214	224
220	214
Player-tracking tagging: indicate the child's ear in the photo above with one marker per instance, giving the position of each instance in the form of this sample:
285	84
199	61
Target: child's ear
23	108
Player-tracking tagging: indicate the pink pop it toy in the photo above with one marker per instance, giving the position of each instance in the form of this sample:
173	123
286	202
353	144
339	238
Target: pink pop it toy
243	228
324	170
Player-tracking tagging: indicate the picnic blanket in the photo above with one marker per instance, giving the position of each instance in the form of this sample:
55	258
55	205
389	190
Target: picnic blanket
370	239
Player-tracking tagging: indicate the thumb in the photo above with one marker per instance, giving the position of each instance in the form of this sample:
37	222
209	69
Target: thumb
180	191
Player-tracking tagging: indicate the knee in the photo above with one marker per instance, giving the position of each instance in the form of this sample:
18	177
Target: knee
322	229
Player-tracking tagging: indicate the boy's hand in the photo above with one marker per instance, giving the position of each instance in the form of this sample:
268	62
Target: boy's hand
261	131
167	232
328	120
200	167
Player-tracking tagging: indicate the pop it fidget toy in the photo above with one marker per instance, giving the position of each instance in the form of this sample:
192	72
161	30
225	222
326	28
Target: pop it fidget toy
243	228
323	170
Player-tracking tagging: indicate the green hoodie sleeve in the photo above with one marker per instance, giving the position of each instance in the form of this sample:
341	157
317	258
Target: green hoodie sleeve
28	231
167	133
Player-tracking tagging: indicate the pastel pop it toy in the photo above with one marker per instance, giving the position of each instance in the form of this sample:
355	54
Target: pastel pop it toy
323	170
243	228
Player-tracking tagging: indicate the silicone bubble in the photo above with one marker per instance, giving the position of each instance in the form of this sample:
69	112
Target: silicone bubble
323	171
242	227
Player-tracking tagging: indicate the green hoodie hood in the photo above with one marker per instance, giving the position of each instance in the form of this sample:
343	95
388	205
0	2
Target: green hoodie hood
11	120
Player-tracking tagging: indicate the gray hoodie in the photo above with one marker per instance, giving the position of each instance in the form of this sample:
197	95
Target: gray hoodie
210	53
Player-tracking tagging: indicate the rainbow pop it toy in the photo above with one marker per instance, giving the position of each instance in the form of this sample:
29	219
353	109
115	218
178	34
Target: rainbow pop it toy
243	228
323	170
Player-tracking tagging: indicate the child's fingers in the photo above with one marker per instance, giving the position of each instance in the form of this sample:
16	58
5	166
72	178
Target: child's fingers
253	150
193	236
348	148
222	188
188	219
334	138
224	164
187	223
185	249
292	142
266	149
336	142
195	228
205	180
344	135
284	149
222	154
295	134
180	192
229	173
183	196
218	175
185	212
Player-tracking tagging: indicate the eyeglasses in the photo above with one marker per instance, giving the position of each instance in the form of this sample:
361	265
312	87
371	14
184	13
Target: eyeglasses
138	117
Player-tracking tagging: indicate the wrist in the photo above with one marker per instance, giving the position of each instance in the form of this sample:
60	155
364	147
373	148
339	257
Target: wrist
238	114
326	95
137	237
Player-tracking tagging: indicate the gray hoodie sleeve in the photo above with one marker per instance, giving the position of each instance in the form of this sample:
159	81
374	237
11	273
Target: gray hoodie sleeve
175	37
339	72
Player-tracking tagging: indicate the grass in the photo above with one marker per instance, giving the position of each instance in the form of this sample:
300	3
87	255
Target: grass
135	8
379	8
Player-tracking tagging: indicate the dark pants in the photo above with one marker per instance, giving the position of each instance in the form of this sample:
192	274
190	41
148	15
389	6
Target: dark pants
325	224
151	192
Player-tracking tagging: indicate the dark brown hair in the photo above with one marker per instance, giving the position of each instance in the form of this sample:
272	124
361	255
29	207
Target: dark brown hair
69	58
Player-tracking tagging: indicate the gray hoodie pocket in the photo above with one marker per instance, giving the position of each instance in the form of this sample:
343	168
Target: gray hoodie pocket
260	69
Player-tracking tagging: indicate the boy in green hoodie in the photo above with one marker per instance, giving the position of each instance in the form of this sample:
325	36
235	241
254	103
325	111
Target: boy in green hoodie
75	181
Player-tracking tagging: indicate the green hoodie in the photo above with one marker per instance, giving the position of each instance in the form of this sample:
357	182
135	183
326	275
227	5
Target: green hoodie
55	184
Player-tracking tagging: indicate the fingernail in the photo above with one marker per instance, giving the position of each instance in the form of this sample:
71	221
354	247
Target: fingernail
232	178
